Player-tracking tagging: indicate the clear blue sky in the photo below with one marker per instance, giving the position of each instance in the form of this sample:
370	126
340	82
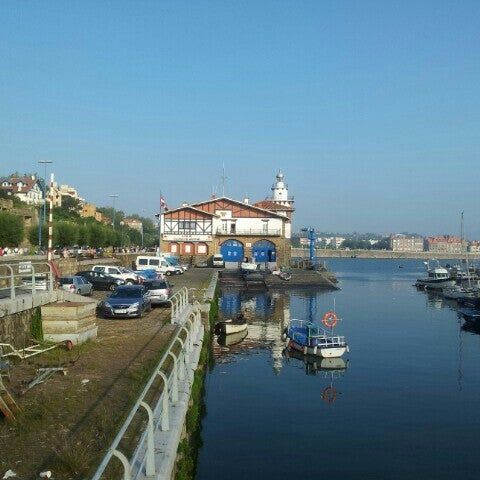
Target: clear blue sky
372	109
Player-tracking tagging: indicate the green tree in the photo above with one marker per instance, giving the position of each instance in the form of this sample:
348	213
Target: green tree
33	235
97	234
12	230
84	235
65	234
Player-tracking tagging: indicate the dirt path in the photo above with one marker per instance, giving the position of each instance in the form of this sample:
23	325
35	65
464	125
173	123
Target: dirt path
66	423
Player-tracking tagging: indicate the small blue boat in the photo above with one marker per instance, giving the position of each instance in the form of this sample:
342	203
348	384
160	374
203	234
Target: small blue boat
312	339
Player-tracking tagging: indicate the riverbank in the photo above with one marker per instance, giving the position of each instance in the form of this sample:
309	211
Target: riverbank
386	254
66	424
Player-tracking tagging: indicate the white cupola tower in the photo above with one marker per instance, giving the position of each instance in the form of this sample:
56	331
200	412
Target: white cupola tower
280	191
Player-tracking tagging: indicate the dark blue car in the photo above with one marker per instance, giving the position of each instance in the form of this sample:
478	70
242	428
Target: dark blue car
126	301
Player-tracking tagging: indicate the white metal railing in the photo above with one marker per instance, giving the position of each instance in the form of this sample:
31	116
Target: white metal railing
179	302
35	277
189	335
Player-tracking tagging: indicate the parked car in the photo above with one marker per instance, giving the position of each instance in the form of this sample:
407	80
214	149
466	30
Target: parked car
218	260
121	273
101	281
149	275
159	291
41	282
159	264
201	264
76	284
126	301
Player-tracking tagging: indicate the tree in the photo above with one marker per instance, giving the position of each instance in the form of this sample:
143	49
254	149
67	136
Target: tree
65	234
33	235
12	230
84	235
97	234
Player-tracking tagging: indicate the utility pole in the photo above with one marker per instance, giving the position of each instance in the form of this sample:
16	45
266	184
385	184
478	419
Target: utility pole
43	217
50	222
223	179
113	196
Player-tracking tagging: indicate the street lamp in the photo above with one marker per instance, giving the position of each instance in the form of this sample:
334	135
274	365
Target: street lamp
113	196
44	217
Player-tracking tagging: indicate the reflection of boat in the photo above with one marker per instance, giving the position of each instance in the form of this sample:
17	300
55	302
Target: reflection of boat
437	277
313	364
229	340
232	325
311	339
458	292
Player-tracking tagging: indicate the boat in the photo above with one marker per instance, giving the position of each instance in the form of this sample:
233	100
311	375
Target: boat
458	292
437	277
232	339
470	314
310	338
232	325
313	364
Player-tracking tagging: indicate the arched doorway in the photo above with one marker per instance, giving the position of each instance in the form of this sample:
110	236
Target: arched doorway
188	248
264	251
174	248
232	252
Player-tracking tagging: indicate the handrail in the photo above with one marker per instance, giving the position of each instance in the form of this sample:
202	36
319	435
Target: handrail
188	331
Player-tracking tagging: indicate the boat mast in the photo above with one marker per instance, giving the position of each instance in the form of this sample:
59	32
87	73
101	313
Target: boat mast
466	252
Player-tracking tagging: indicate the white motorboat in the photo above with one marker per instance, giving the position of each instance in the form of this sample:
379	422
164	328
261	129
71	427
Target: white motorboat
437	277
232	325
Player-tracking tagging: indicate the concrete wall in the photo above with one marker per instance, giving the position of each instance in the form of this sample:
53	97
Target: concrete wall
15	328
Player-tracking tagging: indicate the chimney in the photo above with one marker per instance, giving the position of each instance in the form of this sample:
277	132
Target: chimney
246	200
184	204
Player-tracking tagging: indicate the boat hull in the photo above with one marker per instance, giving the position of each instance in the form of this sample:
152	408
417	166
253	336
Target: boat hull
435	284
231	328
323	352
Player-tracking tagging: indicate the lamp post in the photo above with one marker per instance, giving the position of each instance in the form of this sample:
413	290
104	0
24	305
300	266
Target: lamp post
113	196
44	216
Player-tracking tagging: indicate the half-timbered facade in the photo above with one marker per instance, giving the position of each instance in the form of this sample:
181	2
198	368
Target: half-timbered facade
237	230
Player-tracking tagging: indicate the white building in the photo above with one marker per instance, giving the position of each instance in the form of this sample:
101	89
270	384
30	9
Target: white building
27	189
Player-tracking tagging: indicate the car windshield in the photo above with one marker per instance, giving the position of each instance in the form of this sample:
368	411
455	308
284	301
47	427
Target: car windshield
126	293
66	281
125	270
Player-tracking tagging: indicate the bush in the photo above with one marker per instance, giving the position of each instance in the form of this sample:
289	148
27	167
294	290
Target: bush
65	234
12	230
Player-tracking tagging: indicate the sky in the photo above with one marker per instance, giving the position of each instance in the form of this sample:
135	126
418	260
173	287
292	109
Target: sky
370	108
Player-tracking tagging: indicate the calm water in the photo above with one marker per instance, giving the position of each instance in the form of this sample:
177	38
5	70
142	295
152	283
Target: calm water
406	405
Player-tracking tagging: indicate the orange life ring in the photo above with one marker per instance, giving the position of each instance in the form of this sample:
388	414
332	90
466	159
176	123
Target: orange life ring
330	319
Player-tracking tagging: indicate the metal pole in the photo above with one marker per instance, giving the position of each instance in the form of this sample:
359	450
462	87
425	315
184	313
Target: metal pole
43	218
113	196
50	222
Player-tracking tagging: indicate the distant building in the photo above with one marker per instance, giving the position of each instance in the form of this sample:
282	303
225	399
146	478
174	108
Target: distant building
474	247
133	223
406	243
27	189
445	244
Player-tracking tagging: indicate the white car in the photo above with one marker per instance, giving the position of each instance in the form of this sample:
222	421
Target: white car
159	264
159	291
121	273
76	284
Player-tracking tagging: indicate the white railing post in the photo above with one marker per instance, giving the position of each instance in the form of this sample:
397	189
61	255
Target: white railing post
175	379
127	470
165	420
180	368
33	280
150	453
12	281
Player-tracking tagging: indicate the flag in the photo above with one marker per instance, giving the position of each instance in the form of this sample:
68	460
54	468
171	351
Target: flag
163	204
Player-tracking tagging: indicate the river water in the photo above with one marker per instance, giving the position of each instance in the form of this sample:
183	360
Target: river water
405	404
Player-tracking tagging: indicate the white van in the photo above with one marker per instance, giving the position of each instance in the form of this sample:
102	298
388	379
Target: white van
218	260
159	264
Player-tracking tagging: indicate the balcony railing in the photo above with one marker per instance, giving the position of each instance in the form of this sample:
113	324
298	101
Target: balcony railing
250	231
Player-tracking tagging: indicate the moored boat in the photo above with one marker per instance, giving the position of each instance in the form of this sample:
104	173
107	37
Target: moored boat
312	339
233	325
437	277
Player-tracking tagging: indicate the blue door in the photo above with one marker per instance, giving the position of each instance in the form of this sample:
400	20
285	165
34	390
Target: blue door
264	251
232	251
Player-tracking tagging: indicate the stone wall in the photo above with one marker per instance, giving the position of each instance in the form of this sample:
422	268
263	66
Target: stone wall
15	328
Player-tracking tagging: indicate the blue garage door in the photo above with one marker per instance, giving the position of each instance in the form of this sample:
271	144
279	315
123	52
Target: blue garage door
264	251
232	251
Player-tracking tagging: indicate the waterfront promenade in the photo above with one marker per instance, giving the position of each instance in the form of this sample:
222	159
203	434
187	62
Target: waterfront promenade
328	253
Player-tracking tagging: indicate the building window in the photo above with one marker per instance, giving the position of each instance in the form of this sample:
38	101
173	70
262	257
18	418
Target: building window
187	226
202	249
233	227
173	248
